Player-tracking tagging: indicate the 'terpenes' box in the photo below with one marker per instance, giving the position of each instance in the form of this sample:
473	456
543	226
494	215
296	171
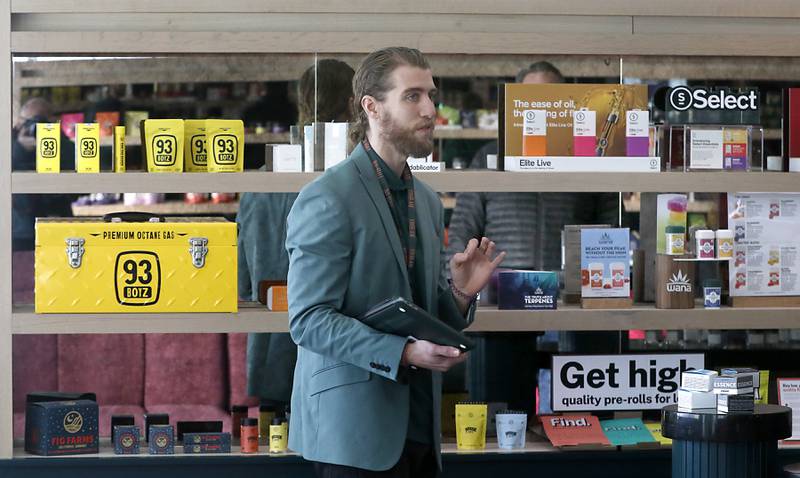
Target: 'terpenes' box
527	290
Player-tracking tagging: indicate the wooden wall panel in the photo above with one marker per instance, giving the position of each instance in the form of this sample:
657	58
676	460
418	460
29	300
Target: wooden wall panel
715	8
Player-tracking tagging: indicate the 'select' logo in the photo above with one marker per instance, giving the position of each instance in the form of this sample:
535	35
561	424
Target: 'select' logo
683	98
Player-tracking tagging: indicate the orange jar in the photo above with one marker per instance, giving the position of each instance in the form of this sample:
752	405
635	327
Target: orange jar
249	432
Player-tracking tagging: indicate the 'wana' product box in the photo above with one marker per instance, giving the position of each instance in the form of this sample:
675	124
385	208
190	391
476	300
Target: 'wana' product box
61	428
520	290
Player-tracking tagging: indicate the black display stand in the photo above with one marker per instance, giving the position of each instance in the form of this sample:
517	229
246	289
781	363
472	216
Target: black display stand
707	444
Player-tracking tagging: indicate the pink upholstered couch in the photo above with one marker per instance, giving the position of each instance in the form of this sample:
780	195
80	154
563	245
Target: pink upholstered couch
188	376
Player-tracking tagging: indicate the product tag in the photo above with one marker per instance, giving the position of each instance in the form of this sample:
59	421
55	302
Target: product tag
48	147
225	141
163	145
195	156
87	148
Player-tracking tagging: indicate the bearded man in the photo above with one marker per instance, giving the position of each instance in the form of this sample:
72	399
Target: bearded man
366	403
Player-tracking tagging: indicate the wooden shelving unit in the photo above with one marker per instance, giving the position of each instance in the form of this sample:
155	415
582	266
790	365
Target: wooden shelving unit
267	138
252	318
168	207
448	181
646	30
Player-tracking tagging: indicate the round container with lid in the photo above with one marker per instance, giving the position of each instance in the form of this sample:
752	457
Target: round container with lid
705	243
676	240
724	243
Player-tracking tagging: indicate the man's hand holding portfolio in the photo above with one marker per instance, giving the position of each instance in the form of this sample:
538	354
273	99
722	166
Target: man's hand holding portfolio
470	270
424	354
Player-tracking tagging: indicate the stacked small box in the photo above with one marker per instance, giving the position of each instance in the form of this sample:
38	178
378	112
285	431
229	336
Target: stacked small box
696	390
734	390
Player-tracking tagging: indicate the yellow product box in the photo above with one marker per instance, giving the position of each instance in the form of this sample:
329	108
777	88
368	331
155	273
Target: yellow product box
162	145
87	148
48	147
225	140
118	149
133	262
195	157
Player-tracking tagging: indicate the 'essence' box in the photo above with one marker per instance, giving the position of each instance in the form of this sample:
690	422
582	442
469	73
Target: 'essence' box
519	290
698	380
735	403
734	384
61	428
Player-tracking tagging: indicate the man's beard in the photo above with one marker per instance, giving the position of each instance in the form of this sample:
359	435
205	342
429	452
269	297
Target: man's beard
405	140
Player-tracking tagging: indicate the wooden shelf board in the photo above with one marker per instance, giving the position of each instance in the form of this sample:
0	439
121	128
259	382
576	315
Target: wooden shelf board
533	444
251	318
709	8
168	207
267	138
621	42
249	138
448	181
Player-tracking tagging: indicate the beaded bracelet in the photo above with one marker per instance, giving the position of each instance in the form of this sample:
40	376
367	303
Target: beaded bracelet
459	293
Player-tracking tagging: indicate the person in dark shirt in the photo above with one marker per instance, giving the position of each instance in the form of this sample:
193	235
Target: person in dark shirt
262	234
527	225
26	207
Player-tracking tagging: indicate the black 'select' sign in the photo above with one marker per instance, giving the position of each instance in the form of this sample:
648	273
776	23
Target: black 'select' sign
708	105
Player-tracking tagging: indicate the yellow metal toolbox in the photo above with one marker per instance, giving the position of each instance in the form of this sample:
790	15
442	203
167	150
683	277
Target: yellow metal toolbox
132	262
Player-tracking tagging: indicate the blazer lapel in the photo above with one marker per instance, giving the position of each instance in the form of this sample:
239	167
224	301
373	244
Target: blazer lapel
373	187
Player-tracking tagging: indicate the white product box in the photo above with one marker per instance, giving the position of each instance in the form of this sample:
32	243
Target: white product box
698	380
286	158
693	400
335	143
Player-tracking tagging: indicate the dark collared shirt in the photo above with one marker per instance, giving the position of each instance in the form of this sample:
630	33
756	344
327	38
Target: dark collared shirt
420	420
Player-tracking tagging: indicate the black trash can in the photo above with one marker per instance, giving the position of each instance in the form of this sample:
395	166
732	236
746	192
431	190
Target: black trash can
707	444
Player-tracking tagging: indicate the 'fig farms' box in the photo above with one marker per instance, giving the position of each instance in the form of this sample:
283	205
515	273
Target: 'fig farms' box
61	428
